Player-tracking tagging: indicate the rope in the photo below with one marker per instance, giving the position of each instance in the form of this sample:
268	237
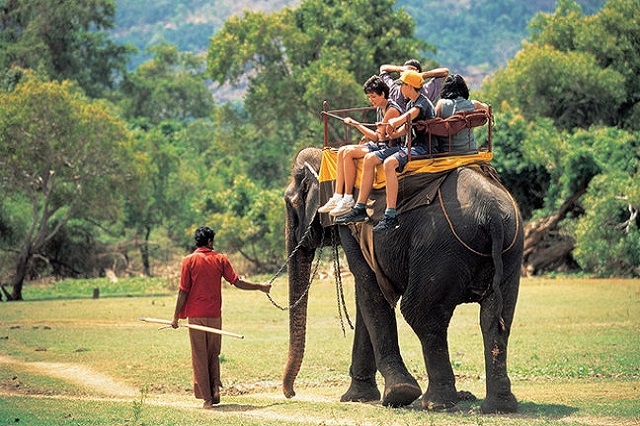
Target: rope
342	305
337	117
515	235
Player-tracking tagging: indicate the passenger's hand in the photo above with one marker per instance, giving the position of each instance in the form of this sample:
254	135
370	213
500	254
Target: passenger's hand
351	121
394	122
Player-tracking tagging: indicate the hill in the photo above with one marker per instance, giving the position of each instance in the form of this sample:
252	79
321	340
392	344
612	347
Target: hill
473	37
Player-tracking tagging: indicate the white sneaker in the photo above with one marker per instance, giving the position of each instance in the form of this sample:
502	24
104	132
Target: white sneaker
331	204
344	206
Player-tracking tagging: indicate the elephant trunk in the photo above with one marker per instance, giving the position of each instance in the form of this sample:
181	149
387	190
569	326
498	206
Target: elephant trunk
299	272
302	196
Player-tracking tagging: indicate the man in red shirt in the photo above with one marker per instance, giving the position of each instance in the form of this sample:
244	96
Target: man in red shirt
200	300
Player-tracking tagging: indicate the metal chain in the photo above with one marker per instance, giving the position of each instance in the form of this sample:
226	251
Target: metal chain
313	274
342	305
339	288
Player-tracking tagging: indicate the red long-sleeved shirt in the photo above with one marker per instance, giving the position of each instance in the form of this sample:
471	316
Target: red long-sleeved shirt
201	277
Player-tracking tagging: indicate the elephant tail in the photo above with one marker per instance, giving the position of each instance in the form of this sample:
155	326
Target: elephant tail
496	255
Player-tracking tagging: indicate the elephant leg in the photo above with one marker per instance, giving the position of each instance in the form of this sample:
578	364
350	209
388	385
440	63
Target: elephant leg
363	386
499	398
380	336
430	323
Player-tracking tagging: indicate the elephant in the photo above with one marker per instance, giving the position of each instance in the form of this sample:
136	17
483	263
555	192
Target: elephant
471	254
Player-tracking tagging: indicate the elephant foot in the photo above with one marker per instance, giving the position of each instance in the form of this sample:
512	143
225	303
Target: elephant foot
361	391
445	399
499	404
402	392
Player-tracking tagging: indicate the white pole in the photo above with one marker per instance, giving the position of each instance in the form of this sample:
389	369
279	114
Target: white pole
195	327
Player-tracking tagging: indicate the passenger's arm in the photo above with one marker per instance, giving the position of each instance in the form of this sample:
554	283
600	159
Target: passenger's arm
367	132
480	105
436	73
390	68
438	108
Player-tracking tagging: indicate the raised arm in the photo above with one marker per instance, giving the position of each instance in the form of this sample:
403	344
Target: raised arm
390	68
436	73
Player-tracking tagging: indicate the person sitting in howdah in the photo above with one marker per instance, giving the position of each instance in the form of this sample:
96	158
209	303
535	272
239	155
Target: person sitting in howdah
377	140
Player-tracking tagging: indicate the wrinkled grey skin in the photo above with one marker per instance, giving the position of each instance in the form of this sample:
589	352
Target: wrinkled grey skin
433	271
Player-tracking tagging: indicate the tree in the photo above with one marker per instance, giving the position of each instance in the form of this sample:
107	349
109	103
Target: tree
601	47
576	87
150	204
608	234
568	87
171	86
65	39
251	222
294	59
63	153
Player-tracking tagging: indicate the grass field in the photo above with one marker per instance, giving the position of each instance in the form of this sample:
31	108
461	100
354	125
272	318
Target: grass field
68	359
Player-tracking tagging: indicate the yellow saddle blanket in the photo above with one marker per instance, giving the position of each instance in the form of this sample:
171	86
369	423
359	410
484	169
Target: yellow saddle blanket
329	168
417	184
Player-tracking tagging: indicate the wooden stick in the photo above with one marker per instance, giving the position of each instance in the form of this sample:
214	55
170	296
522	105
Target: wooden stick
195	327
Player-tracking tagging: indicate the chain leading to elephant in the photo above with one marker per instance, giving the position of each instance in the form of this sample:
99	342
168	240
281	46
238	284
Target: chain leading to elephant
313	273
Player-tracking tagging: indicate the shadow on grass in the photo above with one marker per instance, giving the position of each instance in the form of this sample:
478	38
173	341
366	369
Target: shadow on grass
525	410
90	297
555	411
242	408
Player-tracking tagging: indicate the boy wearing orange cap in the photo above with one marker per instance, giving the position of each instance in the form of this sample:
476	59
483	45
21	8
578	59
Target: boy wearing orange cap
418	108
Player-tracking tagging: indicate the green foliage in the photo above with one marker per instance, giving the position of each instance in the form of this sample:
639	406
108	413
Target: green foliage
170	86
65	155
608	235
250	220
65	39
577	74
577	70
61	147
296	58
526	178
568	87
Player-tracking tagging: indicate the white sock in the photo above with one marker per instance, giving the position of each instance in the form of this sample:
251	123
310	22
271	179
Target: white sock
337	196
348	197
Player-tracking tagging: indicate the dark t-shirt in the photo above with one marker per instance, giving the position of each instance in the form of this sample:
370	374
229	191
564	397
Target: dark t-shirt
427	111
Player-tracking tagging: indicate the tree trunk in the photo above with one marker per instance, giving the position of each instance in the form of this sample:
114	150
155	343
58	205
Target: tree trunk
545	249
144	252
20	274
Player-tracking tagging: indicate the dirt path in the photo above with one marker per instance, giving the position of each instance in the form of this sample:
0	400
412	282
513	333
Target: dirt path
78	375
111	390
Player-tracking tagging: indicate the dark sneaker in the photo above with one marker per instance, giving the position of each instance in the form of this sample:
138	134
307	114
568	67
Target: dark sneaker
387	223
354	216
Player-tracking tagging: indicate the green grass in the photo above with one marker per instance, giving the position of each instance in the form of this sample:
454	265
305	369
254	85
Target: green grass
68	359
